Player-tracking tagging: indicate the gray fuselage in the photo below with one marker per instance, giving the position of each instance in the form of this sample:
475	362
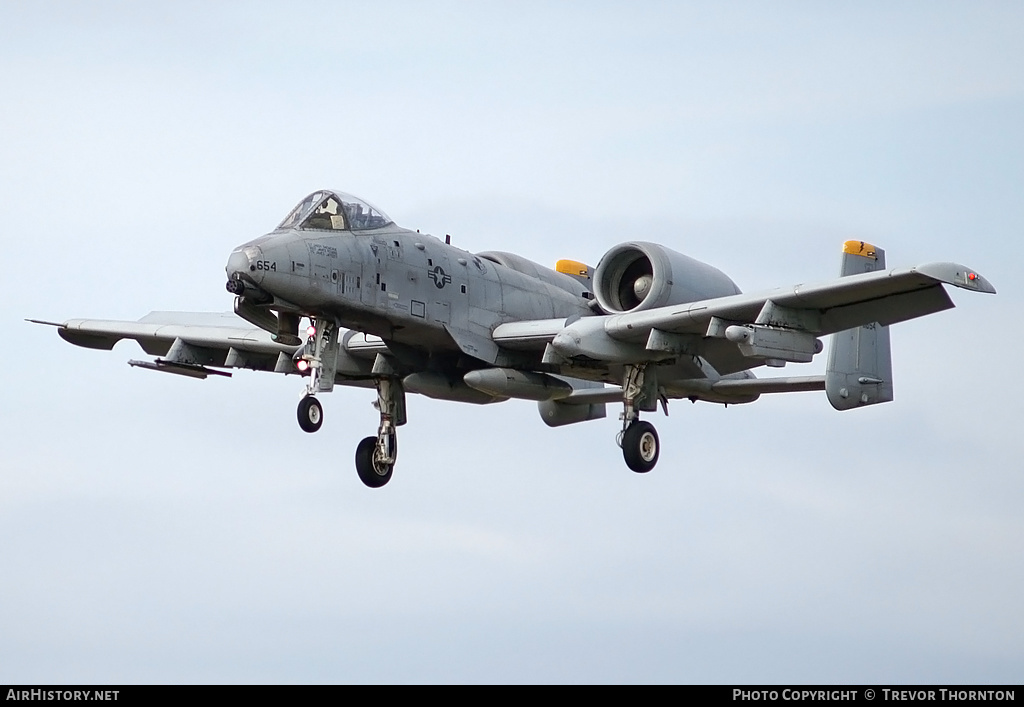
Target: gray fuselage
406	287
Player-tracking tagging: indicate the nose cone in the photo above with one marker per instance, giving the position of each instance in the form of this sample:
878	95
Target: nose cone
242	264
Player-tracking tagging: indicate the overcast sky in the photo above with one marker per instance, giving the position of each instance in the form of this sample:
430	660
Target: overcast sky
162	529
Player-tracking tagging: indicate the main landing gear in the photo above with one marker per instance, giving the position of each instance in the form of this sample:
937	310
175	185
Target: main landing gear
640	446
375	456
638	439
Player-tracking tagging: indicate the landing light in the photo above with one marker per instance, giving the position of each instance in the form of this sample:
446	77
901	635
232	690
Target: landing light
311	330
302	366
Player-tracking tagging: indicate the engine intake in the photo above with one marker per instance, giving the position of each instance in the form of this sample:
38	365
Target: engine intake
635	276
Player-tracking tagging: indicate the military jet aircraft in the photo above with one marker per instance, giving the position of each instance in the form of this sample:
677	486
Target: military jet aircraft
400	311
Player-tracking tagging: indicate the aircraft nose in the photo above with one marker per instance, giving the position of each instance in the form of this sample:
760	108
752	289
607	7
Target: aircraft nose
242	263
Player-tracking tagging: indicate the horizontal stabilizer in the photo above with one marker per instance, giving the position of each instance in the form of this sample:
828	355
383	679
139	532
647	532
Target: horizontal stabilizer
592	396
757	386
557	413
739	387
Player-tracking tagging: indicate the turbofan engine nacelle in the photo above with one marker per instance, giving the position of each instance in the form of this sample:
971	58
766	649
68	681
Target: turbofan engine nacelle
635	276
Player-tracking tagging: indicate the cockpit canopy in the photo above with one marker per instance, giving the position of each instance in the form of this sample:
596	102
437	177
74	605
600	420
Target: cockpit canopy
334	211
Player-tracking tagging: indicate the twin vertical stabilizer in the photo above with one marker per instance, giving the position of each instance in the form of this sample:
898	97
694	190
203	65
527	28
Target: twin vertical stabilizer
859	369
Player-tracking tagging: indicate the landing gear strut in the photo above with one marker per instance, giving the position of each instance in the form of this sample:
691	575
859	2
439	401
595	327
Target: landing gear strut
376	456
638	439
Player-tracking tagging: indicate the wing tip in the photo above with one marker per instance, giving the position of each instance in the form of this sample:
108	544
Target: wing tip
957	275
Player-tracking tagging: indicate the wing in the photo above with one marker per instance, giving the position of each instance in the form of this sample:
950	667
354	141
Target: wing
885	297
801	313
196	344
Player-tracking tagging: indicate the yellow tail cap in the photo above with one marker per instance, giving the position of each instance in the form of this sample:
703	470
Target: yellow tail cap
859	248
573	267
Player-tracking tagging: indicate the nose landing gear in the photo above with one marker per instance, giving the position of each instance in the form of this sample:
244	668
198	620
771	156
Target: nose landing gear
310	414
320	358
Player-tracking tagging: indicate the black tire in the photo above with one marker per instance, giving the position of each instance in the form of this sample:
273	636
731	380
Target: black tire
310	414
367	470
640	446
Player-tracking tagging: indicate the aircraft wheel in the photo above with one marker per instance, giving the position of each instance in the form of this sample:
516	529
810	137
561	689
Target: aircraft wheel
640	446
370	473
310	414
